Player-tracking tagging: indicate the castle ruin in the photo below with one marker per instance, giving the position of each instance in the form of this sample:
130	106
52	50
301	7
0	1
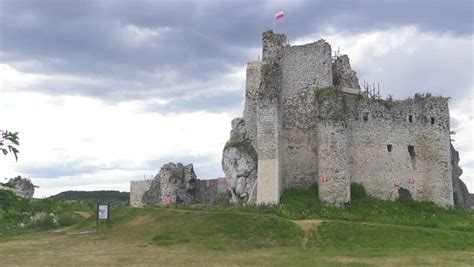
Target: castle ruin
307	121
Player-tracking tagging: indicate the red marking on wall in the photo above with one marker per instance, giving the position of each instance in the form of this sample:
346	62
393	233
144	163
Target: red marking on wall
222	181
396	184
168	201
325	179
411	180
212	184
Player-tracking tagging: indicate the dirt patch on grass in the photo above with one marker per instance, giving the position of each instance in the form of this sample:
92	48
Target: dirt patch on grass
310	230
307	225
85	214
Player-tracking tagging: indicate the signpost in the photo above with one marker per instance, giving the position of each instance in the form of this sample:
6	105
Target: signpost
103	213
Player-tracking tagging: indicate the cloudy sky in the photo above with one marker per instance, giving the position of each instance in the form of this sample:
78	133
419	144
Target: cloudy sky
106	91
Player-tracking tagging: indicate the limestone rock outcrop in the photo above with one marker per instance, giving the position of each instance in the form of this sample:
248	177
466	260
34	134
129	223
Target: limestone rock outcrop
239	162
174	184
343	75
459	187
20	186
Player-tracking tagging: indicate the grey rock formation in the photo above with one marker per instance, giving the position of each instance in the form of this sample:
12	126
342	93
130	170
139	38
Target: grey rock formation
459	188
343	75
21	186
239	162
174	184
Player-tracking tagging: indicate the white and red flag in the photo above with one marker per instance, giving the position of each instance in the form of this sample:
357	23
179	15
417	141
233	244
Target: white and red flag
279	15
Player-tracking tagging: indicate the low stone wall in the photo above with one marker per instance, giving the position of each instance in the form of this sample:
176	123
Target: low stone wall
137	189
207	190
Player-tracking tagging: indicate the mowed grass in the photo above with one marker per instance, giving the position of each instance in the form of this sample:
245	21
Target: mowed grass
177	237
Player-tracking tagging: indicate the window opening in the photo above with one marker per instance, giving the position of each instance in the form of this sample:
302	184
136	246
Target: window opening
410	118
389	148
432	120
411	151
365	116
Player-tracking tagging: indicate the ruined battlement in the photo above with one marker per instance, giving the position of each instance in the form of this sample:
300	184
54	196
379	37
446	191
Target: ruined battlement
420	111
309	122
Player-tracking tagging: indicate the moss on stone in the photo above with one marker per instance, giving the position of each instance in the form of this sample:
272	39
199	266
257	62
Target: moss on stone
330	90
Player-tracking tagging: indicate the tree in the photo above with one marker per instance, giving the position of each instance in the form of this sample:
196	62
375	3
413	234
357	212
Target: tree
9	142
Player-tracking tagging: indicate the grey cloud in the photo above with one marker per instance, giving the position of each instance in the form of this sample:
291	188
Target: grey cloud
58	169
220	102
74	167
205	166
202	40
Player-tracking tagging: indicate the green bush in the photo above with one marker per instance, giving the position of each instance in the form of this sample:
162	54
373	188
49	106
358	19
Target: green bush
45	222
19	214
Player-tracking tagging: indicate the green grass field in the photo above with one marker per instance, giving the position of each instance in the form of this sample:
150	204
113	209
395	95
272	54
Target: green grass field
299	232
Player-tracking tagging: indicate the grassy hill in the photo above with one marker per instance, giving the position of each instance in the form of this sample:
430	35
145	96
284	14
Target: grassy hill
115	198
299	232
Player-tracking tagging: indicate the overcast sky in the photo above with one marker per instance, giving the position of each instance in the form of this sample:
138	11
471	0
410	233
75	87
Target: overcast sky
106	91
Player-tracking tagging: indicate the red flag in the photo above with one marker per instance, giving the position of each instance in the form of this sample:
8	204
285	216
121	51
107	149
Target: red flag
279	15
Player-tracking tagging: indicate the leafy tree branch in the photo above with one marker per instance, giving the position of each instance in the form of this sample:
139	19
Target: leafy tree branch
9	143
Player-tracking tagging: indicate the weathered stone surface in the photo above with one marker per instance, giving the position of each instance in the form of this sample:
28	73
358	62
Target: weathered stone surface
343	75
303	137
459	188
239	162
137	190
20	186
174	184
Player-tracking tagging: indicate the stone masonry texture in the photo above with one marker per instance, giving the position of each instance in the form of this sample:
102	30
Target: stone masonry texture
309	123
176	184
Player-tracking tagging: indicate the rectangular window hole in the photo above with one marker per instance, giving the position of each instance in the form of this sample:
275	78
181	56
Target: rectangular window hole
432	120
365	116
410	118
411	151
389	148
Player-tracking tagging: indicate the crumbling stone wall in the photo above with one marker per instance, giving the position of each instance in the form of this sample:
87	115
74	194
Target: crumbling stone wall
379	134
175	184
137	189
303	136
305	68
344	77
334	183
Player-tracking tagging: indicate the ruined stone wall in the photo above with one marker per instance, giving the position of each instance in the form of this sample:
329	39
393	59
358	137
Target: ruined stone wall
334	178
304	68
269	135
251	90
304	137
207	190
137	189
379	136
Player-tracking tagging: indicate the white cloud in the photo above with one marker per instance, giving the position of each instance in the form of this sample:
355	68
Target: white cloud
104	143
135	35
